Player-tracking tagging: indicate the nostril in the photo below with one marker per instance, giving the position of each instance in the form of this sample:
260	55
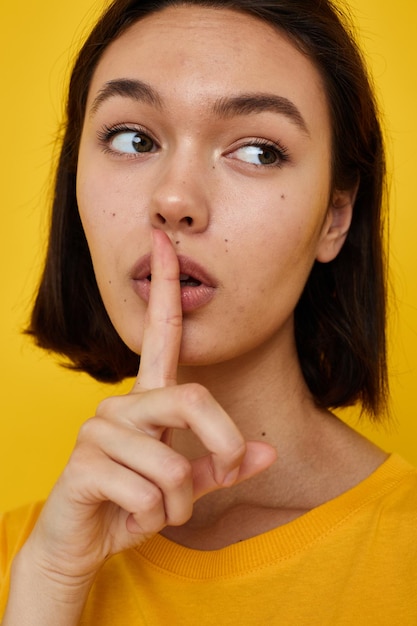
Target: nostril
174	221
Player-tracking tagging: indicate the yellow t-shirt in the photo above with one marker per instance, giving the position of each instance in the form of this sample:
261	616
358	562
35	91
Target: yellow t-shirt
350	562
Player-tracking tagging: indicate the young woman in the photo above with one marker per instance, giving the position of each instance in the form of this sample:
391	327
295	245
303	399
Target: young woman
218	212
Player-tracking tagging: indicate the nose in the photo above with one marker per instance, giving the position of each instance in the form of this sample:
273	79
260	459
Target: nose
179	201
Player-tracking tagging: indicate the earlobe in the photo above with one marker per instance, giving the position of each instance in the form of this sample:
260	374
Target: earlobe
337	223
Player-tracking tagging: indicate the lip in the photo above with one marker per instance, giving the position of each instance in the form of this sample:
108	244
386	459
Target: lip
192	297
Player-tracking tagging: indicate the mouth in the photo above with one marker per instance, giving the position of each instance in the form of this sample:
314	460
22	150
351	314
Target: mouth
197	287
186	280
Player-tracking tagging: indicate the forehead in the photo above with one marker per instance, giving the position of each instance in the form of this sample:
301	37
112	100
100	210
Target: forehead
198	54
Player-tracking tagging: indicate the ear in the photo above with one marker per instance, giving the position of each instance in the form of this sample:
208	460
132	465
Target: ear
336	224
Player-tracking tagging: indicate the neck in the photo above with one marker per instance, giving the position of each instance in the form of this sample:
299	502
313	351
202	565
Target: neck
318	456
264	392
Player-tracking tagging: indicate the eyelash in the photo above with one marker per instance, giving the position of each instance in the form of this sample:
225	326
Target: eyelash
106	134
281	151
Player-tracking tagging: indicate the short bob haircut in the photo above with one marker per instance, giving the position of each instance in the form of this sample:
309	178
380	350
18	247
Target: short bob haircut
340	319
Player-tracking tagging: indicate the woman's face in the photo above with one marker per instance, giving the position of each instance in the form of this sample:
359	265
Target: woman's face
212	126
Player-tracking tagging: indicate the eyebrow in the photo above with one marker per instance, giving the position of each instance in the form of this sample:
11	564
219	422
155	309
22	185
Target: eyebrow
245	104
126	88
225	107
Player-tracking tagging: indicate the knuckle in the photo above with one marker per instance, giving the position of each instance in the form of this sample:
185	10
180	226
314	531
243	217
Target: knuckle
169	319
150	499
78	469
89	429
174	320
96	430
180	517
194	394
107	407
177	472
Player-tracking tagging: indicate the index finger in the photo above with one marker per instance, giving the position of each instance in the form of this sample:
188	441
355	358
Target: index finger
163	321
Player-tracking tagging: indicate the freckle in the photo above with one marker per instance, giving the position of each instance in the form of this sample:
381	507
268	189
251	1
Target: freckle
113	214
283	196
177	242
109	282
125	300
226	240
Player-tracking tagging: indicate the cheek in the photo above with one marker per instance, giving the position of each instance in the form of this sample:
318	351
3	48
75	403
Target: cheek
286	230
101	193
95	203
88	198
102	217
273	256
100	228
113	243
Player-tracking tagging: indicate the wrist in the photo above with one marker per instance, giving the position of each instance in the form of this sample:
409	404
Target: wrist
42	595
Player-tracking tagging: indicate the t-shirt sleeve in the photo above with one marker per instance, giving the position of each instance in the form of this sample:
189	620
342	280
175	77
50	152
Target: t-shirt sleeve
15	528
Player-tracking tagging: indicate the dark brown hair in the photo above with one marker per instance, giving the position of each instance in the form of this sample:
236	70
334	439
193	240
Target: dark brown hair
340	318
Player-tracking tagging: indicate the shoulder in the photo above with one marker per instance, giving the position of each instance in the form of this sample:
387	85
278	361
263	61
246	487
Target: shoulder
401	479
389	501
401	494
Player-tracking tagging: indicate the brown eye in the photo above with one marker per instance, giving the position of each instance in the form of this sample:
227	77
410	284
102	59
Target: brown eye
267	156
131	142
142	143
258	154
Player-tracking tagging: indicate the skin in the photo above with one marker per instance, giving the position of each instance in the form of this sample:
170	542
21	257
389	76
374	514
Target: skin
257	230
244	217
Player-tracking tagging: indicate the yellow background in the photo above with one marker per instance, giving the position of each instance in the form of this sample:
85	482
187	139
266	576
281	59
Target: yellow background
41	404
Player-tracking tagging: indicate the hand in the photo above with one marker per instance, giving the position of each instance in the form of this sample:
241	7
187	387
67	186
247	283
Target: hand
124	482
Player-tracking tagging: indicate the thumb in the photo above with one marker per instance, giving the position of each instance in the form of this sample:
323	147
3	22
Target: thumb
258	457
